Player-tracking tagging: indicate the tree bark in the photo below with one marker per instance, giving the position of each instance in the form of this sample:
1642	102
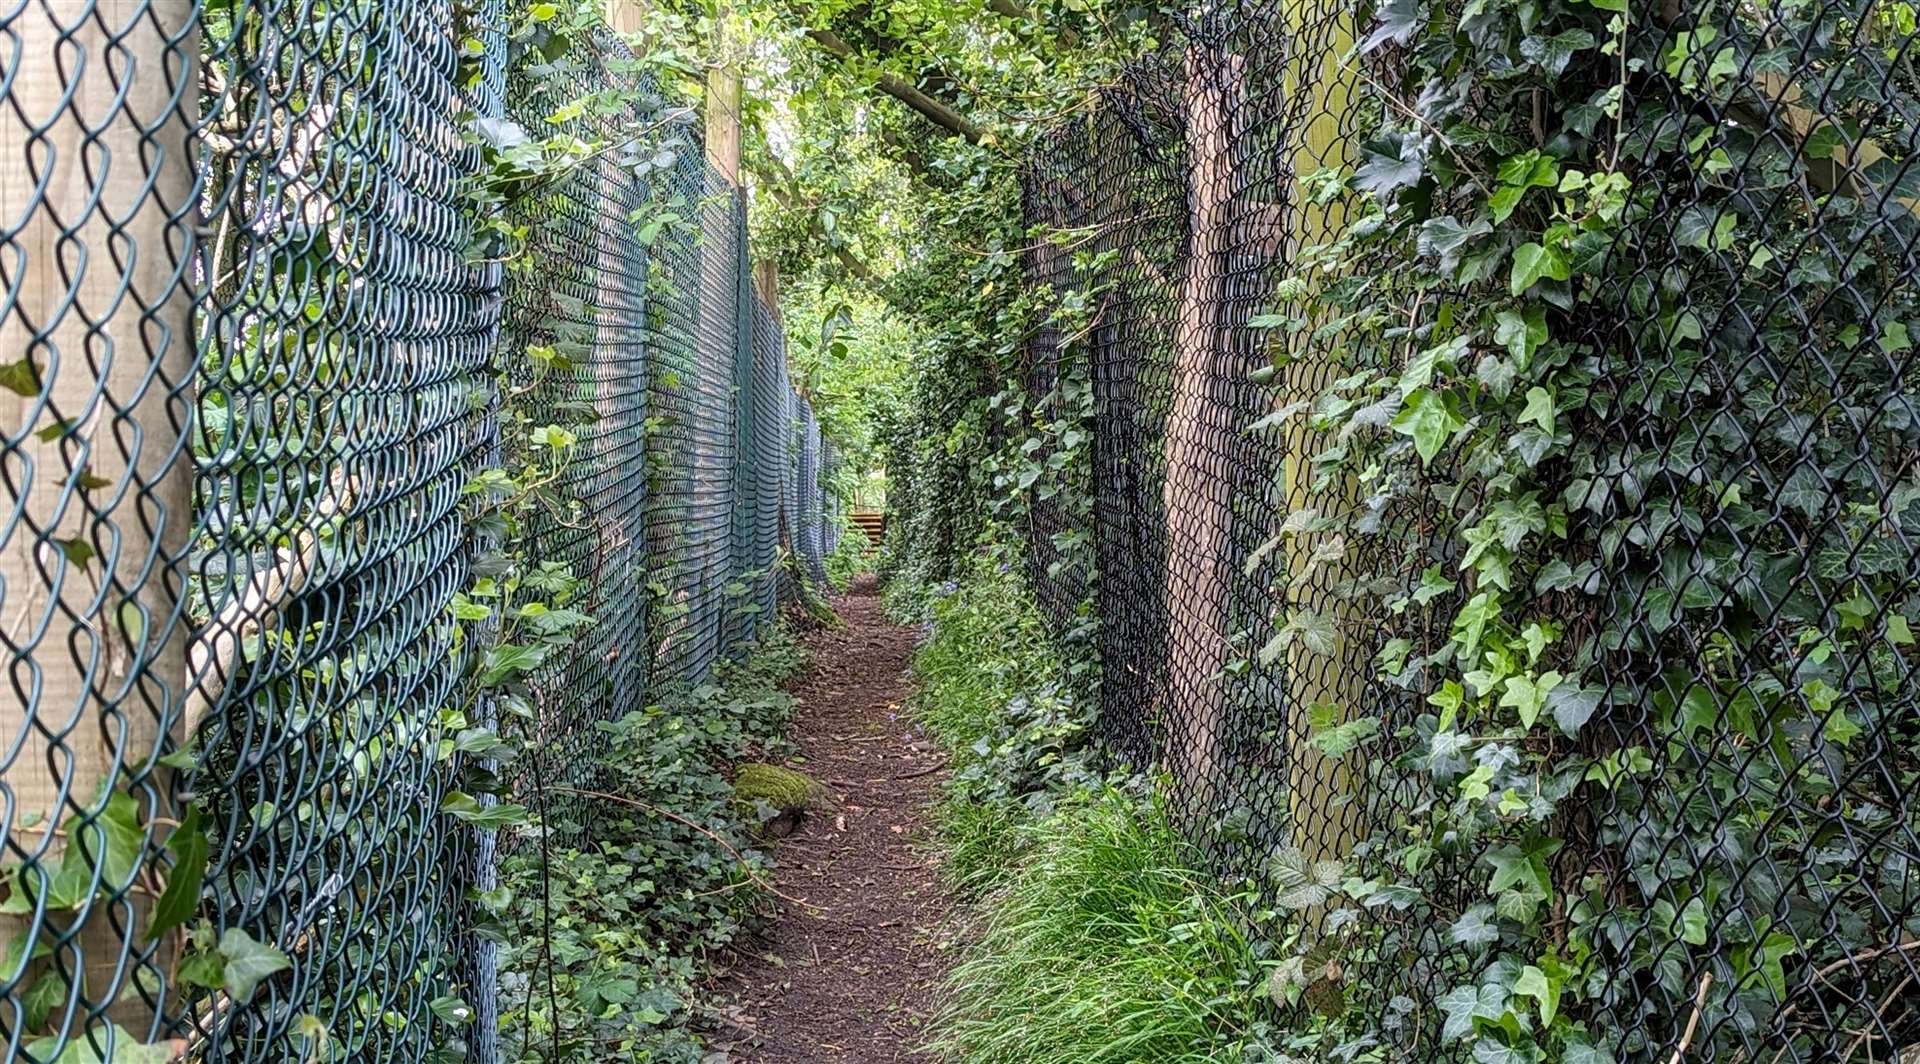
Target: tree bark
1197	493
96	189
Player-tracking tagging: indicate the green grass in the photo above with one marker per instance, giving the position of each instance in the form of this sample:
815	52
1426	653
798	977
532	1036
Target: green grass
1107	944
1097	938
989	693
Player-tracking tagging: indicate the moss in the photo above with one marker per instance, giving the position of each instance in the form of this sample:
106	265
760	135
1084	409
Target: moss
783	789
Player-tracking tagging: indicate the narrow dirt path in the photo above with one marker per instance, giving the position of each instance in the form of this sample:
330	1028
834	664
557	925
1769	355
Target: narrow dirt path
852	974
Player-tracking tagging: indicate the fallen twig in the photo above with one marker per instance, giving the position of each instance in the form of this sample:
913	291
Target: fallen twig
923	772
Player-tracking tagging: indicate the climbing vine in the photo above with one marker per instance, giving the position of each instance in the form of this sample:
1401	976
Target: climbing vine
1648	598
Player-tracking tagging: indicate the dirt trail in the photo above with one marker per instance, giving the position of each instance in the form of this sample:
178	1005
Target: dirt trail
852	974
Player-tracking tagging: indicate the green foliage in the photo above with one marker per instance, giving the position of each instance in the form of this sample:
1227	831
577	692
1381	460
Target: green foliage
849	560
991	691
1109	942
849	353
1646	618
603	936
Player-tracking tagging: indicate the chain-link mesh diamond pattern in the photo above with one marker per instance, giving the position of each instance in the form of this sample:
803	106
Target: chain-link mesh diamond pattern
1740	474
250	372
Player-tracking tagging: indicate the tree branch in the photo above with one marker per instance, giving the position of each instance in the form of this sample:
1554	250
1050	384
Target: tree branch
945	117
782	184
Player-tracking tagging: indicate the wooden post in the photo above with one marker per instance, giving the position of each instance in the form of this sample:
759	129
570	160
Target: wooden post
723	118
96	194
626	16
1197	493
1326	817
766	281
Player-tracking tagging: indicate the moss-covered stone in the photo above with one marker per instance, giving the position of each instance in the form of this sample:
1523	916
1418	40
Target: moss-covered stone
783	789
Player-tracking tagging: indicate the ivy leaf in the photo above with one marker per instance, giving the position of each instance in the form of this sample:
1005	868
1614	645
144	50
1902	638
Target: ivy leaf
1389	164
1444	238
1419	371
1693	922
1543	989
1523	868
1528	696
61	428
79	1049
1303	884
1339	740
248	963
1805	491
1475	927
1580	1051
1398	21
467	808
1312	629
181	899
1552	54
1463	1004
1533	262
1495	374
203	968
22	378
77	550
1839	728
1430	420
508	660
1573	706
46	993
1492	1051
1433	584
1539	408
1521	332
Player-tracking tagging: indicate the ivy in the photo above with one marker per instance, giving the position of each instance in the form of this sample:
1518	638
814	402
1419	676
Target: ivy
1640	471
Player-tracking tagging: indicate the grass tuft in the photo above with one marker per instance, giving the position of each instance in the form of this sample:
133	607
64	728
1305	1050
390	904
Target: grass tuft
1107	944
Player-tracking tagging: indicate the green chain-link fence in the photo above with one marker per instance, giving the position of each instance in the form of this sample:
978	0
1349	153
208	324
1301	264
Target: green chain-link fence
256	363
1487	445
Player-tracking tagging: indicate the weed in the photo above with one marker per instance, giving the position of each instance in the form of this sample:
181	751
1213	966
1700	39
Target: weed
990	693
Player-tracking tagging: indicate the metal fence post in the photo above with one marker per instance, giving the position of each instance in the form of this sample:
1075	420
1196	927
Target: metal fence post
746	499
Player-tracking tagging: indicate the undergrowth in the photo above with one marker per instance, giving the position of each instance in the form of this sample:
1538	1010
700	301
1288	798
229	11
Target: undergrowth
1099	938
991	692
849	560
1108	943
630	894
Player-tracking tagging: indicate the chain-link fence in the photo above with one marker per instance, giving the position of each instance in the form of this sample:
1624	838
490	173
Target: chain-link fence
257	364
1497	463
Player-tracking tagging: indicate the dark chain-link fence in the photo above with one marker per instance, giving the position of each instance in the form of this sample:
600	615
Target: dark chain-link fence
1486	436
257	366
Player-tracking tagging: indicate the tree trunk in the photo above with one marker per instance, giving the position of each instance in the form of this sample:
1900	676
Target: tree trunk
96	187
1197	492
1326	819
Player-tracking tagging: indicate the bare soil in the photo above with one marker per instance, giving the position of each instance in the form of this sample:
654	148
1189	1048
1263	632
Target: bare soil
849	967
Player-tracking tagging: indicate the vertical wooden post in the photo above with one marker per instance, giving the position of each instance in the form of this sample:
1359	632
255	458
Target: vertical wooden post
766	281
626	16
723	115
1196	493
96	197
1326	817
